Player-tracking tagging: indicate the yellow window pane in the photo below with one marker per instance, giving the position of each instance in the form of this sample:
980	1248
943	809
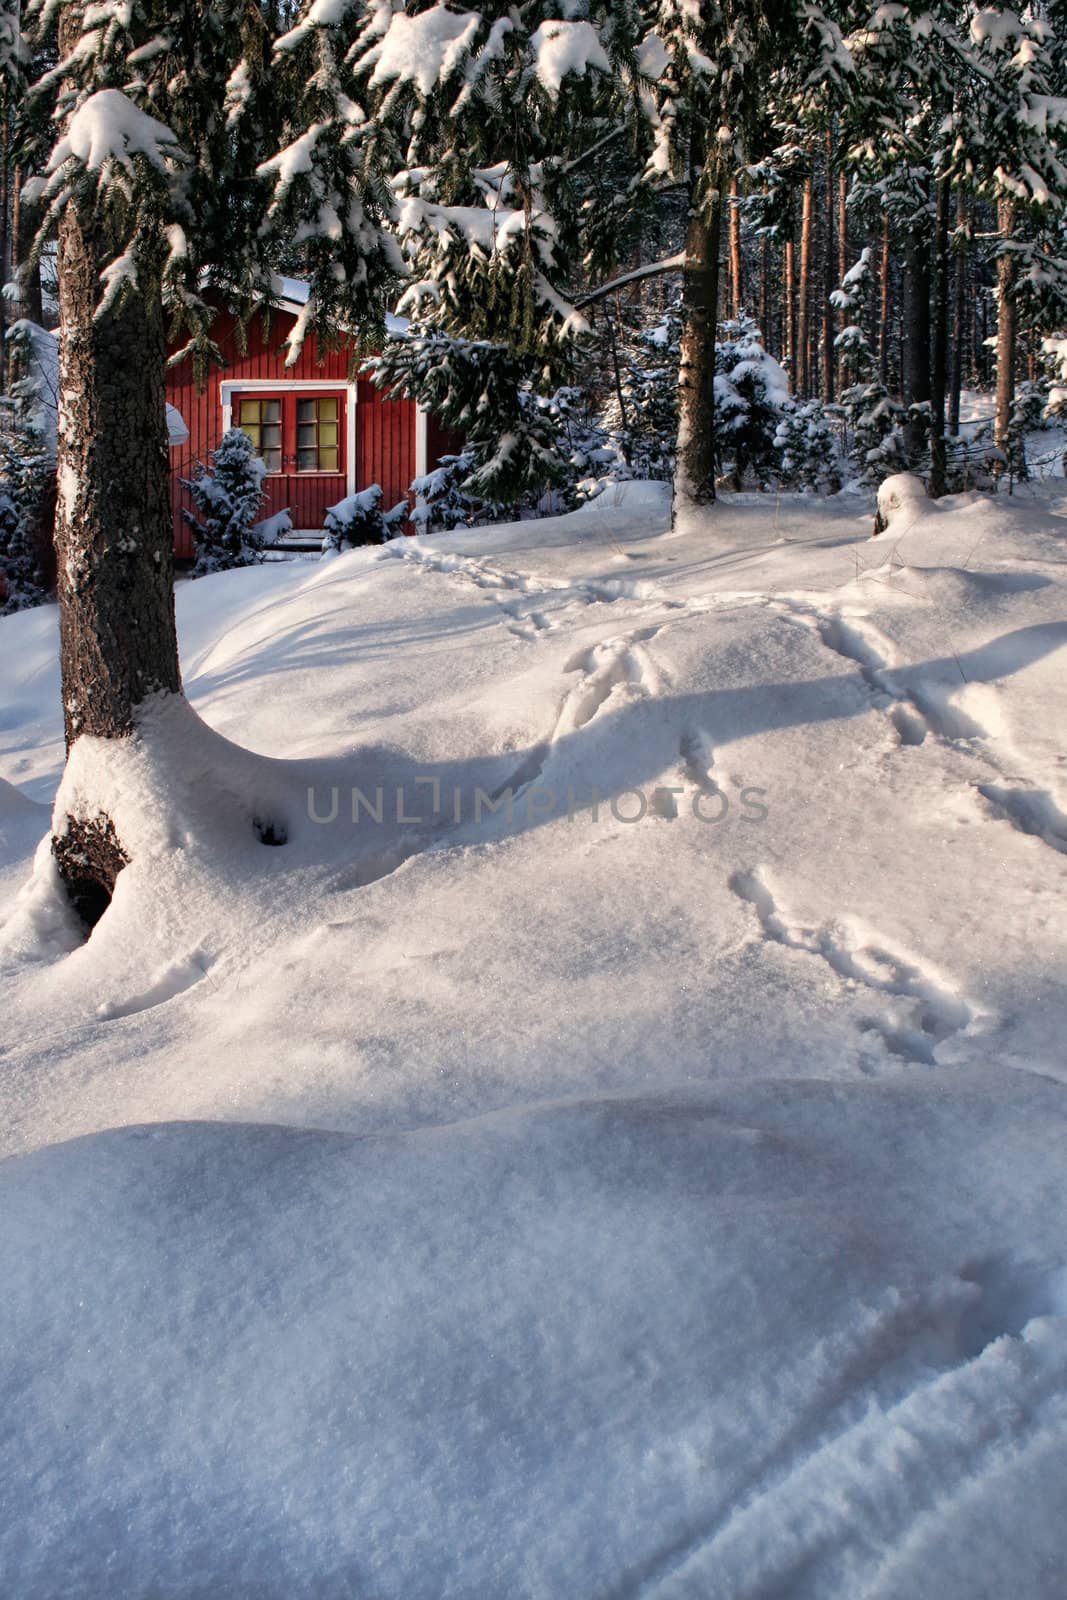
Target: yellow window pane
252	432
249	411
328	460
328	410
328	433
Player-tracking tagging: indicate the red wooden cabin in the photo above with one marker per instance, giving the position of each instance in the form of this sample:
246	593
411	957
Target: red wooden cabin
321	435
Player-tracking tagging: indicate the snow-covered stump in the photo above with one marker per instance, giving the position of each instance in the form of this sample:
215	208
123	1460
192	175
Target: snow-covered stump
901	498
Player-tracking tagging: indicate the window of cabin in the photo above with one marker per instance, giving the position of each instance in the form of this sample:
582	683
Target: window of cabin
262	421
294	432
318	443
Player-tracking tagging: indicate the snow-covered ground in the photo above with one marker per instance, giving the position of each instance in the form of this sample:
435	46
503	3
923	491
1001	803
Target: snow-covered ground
654	1191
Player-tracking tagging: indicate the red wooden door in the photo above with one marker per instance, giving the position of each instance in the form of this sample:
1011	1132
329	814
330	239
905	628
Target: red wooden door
300	436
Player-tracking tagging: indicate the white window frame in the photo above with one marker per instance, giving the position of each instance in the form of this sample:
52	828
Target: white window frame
229	387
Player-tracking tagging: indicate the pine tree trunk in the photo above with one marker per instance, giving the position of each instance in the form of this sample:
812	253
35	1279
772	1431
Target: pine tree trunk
939	348
790	311
829	267
883	312
804	362
842	258
915	345
114	539
695	472
959	316
1007	337
5	237
765	293
737	287
27	276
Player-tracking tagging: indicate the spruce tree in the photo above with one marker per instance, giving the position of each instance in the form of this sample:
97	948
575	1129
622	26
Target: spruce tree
170	178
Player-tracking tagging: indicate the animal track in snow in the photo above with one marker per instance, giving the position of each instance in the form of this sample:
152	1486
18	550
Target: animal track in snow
1010	1294
586	591
1031	811
171	981
698	757
965	715
934	1013
917	708
614	667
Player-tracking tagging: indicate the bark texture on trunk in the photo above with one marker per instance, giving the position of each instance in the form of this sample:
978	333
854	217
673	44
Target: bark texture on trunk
939	347
790	312
829	265
804	292
843	262
883	308
737	285
5	238
915	344
114	539
1007	328
695	475
959	316
27	277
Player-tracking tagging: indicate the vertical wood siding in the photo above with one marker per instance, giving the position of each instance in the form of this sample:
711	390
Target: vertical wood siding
385	429
385	443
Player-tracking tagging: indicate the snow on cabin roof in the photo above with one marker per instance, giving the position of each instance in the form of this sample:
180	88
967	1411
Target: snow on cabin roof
293	296
43	344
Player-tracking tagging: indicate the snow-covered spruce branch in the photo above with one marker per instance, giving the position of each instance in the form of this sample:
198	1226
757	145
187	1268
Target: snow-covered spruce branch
654	269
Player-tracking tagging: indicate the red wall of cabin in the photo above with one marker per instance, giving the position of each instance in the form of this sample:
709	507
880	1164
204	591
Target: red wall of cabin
385	429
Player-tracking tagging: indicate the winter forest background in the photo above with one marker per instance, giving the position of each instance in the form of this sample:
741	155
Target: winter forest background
870	199
533	1054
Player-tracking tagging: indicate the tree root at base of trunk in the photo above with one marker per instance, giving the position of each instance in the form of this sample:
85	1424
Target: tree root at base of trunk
90	859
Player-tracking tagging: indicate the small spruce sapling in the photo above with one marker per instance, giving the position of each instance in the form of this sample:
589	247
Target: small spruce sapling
228	498
872	418
751	393
441	503
359	519
27	496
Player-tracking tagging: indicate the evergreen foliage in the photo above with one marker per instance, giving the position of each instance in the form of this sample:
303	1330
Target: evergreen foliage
359	519
27	486
228	497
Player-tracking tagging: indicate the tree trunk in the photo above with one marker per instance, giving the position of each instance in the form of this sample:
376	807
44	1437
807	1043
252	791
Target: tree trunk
790	311
5	237
737	286
1007	324
915	345
114	539
765	293
27	276
883	311
842	258
939	348
829	268
804	363
959	316
695	472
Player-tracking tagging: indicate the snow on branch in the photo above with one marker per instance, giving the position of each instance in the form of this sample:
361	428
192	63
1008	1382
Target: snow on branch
424	50
321	14
564	48
108	130
652	270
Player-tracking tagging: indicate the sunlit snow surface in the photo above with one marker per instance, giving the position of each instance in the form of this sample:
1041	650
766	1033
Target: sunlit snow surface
554	1204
